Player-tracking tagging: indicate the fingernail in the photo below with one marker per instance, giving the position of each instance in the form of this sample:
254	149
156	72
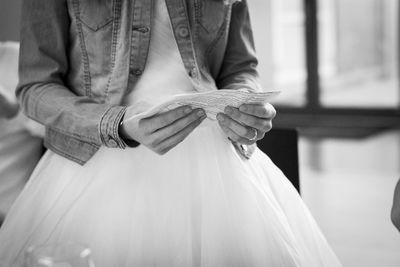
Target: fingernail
220	118
200	113
243	108
228	110
187	110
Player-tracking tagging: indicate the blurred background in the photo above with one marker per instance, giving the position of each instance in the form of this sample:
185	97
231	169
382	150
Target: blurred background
337	65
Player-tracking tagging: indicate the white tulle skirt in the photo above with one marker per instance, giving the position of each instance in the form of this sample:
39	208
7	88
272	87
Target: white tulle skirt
201	204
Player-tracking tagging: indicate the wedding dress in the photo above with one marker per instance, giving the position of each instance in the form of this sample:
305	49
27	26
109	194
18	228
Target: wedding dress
200	204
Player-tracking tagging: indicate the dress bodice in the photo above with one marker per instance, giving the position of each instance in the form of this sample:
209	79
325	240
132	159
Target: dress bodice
165	73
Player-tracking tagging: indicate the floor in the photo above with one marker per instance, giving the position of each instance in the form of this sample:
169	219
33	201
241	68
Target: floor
348	185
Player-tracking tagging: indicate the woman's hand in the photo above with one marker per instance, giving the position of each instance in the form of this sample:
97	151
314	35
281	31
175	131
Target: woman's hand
8	109
395	214
248	123
163	131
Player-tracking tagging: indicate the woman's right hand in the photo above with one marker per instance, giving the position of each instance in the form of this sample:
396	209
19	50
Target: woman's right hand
163	131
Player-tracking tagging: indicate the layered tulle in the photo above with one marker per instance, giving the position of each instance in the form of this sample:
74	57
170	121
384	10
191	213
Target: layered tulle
200	204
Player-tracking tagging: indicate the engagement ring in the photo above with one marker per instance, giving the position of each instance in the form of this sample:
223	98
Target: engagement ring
255	136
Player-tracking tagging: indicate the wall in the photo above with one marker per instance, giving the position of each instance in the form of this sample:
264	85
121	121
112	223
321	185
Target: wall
9	20
359	34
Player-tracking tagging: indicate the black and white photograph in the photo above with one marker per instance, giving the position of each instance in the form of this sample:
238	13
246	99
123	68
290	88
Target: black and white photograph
199	133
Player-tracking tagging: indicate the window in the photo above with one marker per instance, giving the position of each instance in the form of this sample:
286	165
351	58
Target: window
358	62
335	61
279	37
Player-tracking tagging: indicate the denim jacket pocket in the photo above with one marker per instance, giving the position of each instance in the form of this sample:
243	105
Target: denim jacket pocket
95	14
211	14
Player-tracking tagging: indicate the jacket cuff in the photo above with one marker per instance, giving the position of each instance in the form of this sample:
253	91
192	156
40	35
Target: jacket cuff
109	125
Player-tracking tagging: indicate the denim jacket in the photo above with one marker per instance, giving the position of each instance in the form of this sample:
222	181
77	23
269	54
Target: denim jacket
79	58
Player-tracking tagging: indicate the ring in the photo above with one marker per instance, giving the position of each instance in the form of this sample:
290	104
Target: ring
255	135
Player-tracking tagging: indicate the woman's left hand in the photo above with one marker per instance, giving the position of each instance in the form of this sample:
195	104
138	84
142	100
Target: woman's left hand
8	109
248	123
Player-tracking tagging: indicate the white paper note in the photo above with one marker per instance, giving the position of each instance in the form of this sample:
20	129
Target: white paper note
213	102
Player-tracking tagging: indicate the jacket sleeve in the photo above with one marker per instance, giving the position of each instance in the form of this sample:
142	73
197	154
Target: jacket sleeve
239	69
43	66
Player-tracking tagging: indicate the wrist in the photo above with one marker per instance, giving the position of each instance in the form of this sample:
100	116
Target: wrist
124	135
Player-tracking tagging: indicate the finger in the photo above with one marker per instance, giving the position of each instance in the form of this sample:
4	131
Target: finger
177	138
235	137
259	110
159	121
164	133
261	124
239	129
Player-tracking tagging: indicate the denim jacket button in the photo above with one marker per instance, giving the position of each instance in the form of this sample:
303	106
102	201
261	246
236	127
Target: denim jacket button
193	73
137	72
183	31
142	29
112	143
